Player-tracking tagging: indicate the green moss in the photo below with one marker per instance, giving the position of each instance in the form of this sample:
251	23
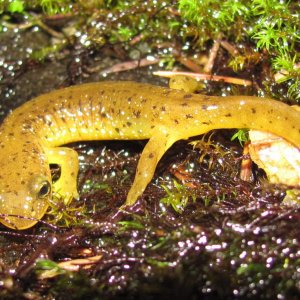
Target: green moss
131	225
16	6
178	197
241	135
272	27
49	7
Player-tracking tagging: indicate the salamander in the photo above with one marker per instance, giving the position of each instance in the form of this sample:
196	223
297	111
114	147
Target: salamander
31	137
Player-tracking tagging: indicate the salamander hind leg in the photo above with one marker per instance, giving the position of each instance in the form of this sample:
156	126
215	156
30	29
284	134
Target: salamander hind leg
67	159
153	151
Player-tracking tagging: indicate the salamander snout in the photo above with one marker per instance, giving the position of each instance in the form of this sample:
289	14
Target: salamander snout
23	205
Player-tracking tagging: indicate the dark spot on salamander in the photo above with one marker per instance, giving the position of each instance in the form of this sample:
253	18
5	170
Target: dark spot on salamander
176	121
166	92
35	151
204	107
184	104
154	106
187	96
163	108
128	124
101	92
117	130
189	116
253	110
137	113
129	99
206	123
80	106
11	134
144	100
70	96
152	126
270	122
112	110
151	155
22	182
228	115
27	127
103	115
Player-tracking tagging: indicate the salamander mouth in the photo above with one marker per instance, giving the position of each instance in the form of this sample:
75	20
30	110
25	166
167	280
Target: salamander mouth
20	219
17	222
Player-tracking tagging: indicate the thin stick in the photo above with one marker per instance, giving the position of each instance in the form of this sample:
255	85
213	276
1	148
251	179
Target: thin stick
201	76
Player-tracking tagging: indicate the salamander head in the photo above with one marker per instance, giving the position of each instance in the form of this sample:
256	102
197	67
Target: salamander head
25	184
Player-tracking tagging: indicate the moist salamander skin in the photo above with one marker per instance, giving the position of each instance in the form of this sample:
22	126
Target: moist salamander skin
32	135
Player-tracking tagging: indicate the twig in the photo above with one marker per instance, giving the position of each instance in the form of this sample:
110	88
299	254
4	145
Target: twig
231	49
199	76
124	66
71	266
189	64
212	55
49	30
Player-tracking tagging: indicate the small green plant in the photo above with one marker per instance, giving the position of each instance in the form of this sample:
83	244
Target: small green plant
16	6
46	268
241	135
92	185
53	7
209	150
49	7
178	197
131	225
62	213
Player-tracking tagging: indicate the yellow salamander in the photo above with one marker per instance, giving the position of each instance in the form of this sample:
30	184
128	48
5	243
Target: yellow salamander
31	136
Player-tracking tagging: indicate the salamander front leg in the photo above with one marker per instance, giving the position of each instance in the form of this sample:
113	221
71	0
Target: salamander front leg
67	159
152	153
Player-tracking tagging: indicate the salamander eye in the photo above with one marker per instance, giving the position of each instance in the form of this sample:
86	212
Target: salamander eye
45	189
